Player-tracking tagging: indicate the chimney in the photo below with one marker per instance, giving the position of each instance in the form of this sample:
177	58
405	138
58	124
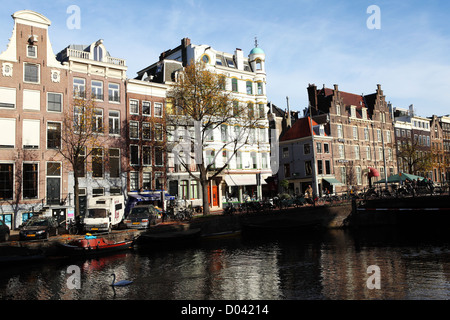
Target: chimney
312	96
288	120
239	56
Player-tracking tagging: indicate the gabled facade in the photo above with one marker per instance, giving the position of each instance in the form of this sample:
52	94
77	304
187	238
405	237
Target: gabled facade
362	131
33	96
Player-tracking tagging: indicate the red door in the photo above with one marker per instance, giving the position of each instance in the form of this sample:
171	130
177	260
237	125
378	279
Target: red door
214	196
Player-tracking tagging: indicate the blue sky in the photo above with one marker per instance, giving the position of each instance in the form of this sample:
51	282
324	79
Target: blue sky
321	42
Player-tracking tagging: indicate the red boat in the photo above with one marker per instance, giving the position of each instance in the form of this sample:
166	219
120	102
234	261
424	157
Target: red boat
94	245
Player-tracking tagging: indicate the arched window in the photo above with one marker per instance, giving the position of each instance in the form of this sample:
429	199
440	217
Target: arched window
234	85
258	64
98	53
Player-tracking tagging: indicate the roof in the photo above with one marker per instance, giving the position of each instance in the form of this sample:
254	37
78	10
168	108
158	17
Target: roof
300	129
347	98
257	51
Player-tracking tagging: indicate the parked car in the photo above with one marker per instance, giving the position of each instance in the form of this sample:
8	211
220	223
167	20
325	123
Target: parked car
39	228
141	217
4	231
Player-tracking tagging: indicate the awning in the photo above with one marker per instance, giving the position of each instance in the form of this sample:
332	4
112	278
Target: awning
241	180
373	172
333	181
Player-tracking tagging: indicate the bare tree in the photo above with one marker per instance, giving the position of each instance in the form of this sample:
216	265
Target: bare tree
200	106
81	138
415	157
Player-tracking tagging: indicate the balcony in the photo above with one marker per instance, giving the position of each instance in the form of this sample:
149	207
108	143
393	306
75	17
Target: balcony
88	56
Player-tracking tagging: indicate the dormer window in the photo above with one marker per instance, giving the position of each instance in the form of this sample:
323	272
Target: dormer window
353	111
31	51
364	113
98	53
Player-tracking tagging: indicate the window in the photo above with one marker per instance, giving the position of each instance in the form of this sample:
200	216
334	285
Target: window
358	176
31	73
319	167
230	63
113	92
194	190
78	119
8	98
388	136
30	180
146	155
146	131
158	109
31	134
158	132
355	133
285	152
31	51
134	155
254	160
146	108
366	134
210	158
97	90
54	102
159	161
258	64
97	163
343	175
306	148
308	168
239	160
262	111
114	122
224	133
339	131
356	152
251	110
379	135
264	161
327	167
147	180
53	135
353	111
98	53
134	106
81	164
326	148
341	151
159	181
134	181
98	121
6	181
287	170
134	130
31	100
234	85
262	135
79	88
397	132
368	154
249	86
260	88
114	163
7	133
319	147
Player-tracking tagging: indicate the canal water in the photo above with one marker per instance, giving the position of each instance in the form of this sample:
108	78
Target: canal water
313	265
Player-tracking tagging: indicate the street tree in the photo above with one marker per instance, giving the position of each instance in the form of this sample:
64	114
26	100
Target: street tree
199	107
81	138
414	157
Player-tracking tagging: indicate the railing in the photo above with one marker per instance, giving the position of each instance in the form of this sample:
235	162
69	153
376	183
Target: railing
87	55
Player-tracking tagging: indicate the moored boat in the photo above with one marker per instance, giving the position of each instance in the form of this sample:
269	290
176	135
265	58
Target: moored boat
94	245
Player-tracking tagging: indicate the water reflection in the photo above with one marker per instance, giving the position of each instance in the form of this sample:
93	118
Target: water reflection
318	265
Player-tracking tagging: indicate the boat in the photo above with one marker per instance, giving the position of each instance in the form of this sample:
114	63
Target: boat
94	245
179	236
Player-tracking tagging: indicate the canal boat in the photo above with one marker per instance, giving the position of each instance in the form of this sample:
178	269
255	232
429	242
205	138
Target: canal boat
94	245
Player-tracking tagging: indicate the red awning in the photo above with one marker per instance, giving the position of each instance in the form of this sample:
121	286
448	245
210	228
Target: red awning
373	173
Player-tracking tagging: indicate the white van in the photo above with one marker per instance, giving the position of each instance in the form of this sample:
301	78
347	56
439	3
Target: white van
104	213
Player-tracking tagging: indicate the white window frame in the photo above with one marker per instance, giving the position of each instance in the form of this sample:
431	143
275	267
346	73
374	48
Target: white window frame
38	73
55	93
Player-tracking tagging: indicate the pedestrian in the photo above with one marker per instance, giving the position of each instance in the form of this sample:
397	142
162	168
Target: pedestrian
309	194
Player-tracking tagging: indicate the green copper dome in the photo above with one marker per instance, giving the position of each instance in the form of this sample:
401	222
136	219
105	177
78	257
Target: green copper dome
257	51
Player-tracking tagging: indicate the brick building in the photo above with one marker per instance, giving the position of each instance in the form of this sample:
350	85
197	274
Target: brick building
33	96
362	131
